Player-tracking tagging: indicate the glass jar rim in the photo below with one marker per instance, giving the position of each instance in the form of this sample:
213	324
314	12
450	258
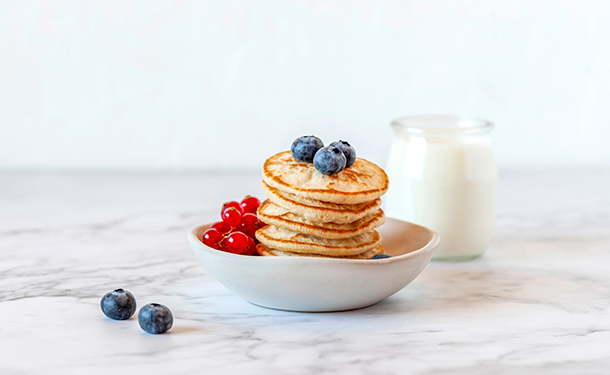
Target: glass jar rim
439	125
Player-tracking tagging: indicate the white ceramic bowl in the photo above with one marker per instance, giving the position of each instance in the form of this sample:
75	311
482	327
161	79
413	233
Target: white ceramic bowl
322	284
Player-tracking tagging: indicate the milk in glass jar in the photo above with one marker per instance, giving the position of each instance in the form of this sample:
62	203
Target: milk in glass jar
443	176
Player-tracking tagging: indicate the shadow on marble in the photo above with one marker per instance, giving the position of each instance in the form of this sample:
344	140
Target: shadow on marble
183	330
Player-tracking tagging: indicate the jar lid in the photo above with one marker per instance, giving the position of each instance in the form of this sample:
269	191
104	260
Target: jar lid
441	125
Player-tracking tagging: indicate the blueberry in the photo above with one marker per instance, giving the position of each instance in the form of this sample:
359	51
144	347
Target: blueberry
304	148
348	151
155	318
119	304
329	160
380	256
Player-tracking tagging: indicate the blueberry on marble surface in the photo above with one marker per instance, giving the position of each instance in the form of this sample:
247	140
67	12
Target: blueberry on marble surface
381	256
329	160
304	148
348	150
155	318
119	304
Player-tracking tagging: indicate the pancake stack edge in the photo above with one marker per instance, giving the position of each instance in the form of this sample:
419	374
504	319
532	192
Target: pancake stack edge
300	225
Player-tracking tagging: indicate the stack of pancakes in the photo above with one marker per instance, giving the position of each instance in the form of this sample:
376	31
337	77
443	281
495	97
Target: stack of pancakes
312	214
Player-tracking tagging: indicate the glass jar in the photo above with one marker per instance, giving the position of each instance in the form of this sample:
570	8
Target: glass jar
443	176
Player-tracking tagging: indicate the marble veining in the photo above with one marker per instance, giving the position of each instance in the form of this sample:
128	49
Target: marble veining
538	302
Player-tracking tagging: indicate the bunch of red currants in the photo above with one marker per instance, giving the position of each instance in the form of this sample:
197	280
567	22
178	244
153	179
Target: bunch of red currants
235	233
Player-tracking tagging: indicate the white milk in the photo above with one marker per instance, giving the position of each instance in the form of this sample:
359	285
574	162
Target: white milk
447	184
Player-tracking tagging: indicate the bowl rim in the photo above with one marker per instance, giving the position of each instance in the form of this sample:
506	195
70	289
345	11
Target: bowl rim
196	242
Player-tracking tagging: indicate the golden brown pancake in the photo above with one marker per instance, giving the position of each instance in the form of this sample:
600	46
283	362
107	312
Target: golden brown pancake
362	182
270	213
320	211
265	251
287	240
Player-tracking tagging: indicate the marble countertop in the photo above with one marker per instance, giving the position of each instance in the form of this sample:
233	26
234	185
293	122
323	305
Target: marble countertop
538	302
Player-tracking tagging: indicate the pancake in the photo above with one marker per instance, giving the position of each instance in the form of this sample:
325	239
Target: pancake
360	183
270	213
287	240
313	202
318	211
265	251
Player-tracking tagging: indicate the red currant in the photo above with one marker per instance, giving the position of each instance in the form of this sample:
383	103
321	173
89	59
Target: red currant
222	227
250	204
251	249
235	204
249	224
222	245
231	216
237	242
212	238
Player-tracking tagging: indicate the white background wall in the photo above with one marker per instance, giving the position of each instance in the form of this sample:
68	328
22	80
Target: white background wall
180	85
